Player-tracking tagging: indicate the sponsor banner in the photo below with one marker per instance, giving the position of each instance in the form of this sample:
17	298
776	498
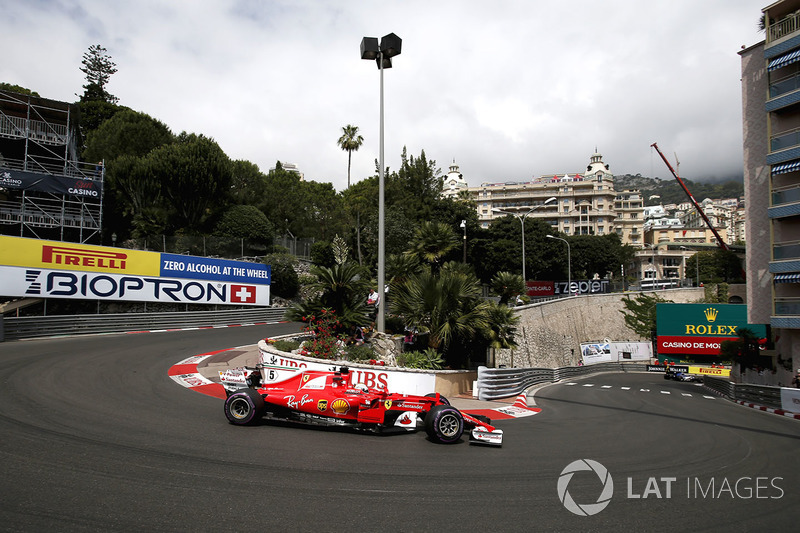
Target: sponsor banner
663	368
790	399
703	320
691	345
540	288
30	181
706	371
279	368
41	283
656	368
192	267
35	253
612	352
583	286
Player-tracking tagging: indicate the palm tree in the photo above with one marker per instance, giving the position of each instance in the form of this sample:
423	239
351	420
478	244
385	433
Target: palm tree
350	142
507	285
432	241
342	288
444	305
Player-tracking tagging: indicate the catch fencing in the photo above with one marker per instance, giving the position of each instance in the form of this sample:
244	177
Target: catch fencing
16	328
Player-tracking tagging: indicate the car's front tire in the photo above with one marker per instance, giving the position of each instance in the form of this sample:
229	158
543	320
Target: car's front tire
444	424
244	407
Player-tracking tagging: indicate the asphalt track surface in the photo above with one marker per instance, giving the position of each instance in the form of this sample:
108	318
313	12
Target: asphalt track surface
94	436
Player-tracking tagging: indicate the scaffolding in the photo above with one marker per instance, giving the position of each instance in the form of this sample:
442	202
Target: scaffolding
45	192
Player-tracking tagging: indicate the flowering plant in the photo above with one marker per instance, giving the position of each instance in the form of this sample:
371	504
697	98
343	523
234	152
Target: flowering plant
326	343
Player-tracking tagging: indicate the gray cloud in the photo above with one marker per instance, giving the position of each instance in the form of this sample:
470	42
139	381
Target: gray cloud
509	89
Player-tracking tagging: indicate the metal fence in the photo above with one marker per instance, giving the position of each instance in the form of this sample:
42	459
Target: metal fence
497	383
15	328
741	392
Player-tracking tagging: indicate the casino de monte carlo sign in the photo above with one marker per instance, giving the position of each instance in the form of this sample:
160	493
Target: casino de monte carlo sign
699	329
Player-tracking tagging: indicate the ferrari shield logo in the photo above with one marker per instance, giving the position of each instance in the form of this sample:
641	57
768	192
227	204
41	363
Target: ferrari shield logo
387	404
322	405
305	378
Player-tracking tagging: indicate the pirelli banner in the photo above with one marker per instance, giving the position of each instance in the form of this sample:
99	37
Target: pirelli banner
50	269
699	329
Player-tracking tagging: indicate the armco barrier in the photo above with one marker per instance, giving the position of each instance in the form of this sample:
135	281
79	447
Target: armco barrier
49	326
723	387
497	383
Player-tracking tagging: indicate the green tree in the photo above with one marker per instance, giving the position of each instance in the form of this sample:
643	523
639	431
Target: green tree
127	132
248	183
245	222
432	241
5	86
359	199
342	288
98	68
507	286
350	142
640	313
502	327
141	199
196	178
284	281
444	306
745	350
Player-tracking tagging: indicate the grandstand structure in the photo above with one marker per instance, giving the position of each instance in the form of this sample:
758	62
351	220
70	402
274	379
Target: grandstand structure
45	192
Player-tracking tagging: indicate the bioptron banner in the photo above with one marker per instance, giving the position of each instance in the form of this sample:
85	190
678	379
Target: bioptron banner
51	269
699	329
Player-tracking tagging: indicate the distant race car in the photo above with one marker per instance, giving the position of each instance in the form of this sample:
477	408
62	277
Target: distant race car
327	398
681	376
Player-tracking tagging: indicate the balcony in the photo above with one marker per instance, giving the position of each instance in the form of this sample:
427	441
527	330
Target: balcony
787	313
786	250
783	93
784	146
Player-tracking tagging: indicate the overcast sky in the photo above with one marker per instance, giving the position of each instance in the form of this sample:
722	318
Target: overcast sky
508	89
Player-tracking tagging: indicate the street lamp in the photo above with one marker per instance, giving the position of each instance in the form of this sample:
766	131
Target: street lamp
382	53
569	263
464	227
521	219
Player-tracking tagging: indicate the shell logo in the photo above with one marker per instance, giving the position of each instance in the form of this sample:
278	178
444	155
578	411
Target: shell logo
340	406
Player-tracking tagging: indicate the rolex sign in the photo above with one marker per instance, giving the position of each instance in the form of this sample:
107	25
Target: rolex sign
699	329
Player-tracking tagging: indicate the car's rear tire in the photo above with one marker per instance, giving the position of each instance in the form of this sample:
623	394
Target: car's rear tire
444	424
244	407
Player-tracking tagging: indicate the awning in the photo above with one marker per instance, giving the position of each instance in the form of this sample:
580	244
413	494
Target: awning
785	59
786	278
783	168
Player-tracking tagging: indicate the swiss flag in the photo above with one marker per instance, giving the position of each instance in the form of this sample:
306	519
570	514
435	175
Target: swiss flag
244	294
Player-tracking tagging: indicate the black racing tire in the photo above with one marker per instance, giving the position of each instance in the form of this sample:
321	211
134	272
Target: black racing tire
444	424
244	407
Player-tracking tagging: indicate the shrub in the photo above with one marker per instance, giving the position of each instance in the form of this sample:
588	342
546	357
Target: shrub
286	346
359	352
430	359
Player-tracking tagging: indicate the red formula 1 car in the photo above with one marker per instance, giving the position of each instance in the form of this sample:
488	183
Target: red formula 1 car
327	398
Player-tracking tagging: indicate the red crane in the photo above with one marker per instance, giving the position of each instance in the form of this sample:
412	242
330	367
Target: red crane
721	242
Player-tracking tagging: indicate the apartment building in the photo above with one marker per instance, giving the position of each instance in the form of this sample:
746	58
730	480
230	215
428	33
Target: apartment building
771	127
585	202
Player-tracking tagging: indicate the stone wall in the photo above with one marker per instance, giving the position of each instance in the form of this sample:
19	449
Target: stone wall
550	333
